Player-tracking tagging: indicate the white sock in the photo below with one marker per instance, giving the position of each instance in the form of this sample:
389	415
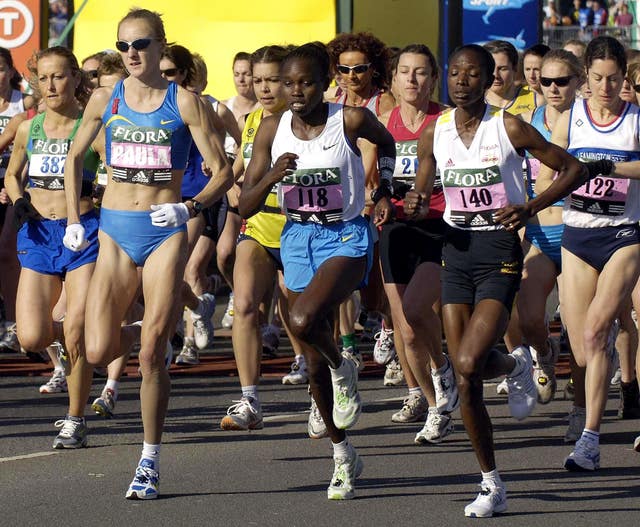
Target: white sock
300	360
252	392
112	385
341	371
492	477
341	449
415	391
152	453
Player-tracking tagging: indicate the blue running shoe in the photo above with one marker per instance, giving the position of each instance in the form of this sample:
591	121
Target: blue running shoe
585	457
145	483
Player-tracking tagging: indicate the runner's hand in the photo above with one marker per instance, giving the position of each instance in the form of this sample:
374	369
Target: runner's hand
74	238
169	214
512	217
416	206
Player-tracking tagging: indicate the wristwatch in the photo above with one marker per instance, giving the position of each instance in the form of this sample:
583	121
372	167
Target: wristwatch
383	191
196	208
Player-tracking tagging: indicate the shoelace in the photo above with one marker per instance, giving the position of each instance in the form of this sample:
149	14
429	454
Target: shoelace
67	427
240	406
145	475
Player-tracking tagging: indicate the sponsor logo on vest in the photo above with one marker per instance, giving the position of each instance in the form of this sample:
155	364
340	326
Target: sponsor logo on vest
313	177
407	148
595	209
478	221
56	185
579	122
449	163
140	177
50	146
140	134
473	177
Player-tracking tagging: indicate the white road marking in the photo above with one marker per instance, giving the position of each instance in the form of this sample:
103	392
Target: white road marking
27	456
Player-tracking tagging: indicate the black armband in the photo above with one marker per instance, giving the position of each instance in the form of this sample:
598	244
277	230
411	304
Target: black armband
23	211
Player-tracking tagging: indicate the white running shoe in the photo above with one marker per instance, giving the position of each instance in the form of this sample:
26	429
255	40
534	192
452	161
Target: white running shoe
446	389
202	324
393	375
73	433
437	427
345	472
347	404
145	482
523	394
56	384
105	404
503	387
298	373
315	425
577	417
489	501
544	371
227	318
244	415
9	340
384	349
585	456
414	408
270	340
189	354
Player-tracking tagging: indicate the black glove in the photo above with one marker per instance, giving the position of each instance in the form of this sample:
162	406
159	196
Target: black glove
602	167
23	211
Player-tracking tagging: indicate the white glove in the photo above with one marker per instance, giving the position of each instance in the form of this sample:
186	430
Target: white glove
169	214
74	238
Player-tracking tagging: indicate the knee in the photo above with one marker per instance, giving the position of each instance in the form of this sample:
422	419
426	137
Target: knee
467	370
531	323
300	324
33	341
595	337
244	306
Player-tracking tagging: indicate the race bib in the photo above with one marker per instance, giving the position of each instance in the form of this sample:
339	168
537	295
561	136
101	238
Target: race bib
46	166
313	194
141	154
474	194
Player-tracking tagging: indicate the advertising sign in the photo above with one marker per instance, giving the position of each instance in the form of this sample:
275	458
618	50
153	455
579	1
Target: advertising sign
20	29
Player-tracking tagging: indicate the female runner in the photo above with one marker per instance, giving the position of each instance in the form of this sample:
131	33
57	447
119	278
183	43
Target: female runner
148	123
309	153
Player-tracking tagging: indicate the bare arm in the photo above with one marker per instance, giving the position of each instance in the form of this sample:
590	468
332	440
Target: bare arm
9	132
416	202
210	147
87	133
260	176
571	173
13	175
230	123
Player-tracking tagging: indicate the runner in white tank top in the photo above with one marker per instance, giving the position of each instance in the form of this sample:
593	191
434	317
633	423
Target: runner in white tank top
477	149
326	244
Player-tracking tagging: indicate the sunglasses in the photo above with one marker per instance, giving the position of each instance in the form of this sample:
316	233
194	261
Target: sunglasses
171	72
138	45
358	68
92	74
560	82
636	87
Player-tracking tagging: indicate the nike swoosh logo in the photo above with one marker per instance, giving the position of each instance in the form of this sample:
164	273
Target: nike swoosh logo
328	147
163	122
346	238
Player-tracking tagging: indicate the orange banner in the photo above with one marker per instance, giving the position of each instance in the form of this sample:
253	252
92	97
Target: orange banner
20	29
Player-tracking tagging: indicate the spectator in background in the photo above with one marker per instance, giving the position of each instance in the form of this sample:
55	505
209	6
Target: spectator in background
582	15
599	14
553	17
577	47
623	18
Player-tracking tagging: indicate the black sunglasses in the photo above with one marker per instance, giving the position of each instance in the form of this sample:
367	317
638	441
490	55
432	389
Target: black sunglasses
560	82
92	74
138	45
358	68
171	72
636	87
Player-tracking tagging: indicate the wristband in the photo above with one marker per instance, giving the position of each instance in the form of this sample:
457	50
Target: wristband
384	190
386	166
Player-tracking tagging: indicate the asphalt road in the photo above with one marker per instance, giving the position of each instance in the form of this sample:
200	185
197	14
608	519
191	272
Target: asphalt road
278	476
